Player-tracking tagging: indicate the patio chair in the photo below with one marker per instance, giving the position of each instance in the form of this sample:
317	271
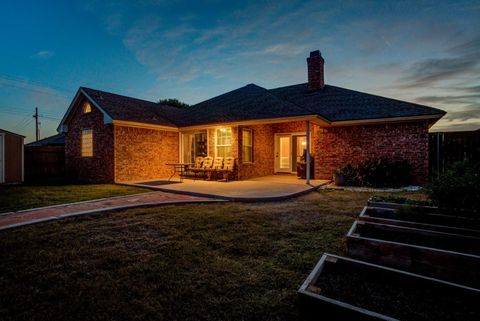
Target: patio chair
206	165
217	165
197	165
228	167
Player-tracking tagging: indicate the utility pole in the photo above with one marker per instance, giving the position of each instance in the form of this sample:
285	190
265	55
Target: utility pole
37	129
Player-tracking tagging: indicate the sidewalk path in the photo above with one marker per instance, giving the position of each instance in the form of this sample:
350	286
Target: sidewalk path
55	212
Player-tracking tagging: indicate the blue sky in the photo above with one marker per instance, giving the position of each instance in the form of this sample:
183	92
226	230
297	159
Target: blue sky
421	51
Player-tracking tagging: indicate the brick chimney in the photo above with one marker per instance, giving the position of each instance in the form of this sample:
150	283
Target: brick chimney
315	64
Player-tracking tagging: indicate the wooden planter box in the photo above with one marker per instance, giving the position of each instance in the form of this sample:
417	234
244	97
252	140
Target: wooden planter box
341	288
451	257
435	215
426	209
432	222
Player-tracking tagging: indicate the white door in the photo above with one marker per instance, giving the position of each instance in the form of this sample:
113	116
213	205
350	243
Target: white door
2	158
283	153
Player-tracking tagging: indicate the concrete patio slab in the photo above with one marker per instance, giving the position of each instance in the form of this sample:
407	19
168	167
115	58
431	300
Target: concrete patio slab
57	212
266	188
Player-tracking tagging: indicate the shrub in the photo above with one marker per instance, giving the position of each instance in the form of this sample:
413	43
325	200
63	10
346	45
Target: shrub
380	172
458	187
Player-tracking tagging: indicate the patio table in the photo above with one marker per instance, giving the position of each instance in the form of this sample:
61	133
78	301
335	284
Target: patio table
179	168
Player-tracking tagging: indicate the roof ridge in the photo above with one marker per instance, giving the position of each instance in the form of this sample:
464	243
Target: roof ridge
366	93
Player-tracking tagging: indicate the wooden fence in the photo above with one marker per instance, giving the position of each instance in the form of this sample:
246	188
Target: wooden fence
44	162
446	148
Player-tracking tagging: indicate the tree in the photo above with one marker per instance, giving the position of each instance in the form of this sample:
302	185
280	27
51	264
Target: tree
173	102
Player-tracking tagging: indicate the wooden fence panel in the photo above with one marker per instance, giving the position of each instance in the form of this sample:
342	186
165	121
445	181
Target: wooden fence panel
446	148
42	162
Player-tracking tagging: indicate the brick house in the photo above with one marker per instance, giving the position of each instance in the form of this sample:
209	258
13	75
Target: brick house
114	138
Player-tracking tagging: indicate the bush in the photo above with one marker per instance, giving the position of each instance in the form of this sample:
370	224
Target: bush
458	187
380	172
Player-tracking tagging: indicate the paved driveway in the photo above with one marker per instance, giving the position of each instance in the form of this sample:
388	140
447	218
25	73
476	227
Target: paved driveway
31	216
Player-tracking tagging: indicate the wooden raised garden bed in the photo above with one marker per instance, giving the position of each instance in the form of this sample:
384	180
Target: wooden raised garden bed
433	222
341	288
459	218
446	256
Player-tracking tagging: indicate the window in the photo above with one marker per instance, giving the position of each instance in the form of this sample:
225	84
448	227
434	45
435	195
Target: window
87	108
247	145
194	145
87	143
224	142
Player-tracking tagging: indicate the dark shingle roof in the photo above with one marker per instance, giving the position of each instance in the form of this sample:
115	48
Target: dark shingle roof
340	104
245	103
120	107
255	102
55	140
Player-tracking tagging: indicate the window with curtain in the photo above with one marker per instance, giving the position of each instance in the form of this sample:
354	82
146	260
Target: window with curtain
247	145
87	143
224	142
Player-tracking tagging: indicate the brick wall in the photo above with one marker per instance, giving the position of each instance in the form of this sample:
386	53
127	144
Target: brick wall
337	146
99	167
141	154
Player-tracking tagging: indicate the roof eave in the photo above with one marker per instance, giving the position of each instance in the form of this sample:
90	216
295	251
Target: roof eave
316	119
107	119
432	119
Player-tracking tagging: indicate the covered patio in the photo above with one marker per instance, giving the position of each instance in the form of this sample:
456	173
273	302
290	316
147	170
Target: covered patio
265	188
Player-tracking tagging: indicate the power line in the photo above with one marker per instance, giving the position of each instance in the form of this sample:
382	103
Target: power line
34	90
34	83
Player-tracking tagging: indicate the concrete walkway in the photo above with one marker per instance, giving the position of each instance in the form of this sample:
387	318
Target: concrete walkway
266	188
56	212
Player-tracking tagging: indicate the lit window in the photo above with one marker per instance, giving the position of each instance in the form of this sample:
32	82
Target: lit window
87	108
247	145
87	143
224	142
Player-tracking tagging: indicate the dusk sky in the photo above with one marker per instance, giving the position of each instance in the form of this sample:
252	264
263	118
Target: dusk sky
420	51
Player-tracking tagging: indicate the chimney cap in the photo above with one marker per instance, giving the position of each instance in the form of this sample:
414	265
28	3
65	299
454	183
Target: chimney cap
315	53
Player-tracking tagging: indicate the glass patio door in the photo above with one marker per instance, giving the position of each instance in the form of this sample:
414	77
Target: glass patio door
283	153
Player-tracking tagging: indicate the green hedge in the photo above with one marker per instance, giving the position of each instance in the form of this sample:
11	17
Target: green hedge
458	187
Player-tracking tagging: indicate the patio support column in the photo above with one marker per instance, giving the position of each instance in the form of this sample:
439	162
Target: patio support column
307	160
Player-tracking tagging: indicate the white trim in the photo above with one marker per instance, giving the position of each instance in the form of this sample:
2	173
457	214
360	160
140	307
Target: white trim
107	119
313	118
276	152
2	174
126	123
383	120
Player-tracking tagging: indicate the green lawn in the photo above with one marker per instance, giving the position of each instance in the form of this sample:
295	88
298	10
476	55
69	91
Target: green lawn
228	261
19	197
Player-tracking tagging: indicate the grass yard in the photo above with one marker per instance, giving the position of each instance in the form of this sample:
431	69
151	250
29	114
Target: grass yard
231	261
19	197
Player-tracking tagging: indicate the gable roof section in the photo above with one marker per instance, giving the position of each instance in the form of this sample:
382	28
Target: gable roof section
125	108
340	104
245	103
